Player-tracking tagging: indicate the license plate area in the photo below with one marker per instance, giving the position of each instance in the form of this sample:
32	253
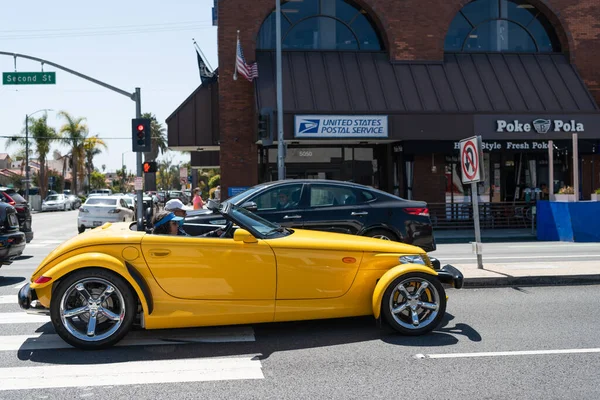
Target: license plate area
97	223
12	219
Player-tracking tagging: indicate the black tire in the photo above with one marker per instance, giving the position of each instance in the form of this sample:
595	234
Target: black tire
382	234
121	287
81	229
431	319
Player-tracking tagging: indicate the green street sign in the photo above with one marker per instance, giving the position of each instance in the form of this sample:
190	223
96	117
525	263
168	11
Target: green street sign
29	78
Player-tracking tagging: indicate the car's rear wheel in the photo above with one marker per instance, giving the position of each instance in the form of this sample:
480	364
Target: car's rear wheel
414	303
81	229
381	234
93	308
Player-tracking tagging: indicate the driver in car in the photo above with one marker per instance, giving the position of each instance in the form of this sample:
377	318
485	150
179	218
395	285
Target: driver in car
168	223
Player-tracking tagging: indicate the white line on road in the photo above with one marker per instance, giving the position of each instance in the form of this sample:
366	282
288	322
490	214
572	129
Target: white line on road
566	256
131	373
22	318
20	285
12	299
40	341
508	353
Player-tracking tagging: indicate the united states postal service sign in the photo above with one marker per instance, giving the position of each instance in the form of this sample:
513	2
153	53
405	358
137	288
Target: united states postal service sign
341	126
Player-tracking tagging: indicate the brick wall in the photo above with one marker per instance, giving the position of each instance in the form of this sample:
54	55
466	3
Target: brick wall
411	30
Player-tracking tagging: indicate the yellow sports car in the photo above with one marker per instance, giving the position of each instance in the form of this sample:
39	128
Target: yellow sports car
98	284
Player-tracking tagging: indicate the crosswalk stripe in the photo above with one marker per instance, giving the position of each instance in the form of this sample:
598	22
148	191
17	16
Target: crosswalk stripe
20	285
12	299
40	341
22	318
131	373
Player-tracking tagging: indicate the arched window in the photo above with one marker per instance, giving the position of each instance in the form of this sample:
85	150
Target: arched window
501	26
321	25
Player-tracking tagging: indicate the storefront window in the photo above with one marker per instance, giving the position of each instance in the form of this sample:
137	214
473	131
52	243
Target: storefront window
321	25
501	26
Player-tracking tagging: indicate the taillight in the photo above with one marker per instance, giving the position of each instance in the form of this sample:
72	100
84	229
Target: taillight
113	211
10	200
43	279
424	212
83	210
20	209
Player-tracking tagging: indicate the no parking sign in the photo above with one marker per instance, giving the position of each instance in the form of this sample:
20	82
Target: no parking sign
471	157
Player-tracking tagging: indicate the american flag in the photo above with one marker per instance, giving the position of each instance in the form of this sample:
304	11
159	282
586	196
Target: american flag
247	71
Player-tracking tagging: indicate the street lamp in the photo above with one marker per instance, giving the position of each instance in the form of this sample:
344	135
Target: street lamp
27	150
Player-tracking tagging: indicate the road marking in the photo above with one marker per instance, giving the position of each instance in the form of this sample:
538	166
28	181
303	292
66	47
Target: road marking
566	256
41	341
508	353
22	318
131	373
12	299
20	285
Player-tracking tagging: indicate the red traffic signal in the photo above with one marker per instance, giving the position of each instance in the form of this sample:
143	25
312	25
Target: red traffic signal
141	138
140	127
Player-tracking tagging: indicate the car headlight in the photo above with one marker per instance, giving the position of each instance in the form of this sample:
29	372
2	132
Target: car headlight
413	259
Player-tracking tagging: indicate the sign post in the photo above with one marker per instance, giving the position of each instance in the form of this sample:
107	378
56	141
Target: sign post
471	157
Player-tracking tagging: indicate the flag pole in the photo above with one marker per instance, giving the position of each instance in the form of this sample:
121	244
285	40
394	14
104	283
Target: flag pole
237	43
280	142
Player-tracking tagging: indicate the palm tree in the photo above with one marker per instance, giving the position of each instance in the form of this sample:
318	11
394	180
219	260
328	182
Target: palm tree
92	146
42	136
159	139
74	133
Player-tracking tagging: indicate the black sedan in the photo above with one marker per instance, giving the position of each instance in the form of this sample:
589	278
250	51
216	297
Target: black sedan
12	241
332	206
10	196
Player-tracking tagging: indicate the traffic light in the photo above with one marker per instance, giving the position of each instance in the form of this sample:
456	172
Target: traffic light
266	125
149	167
141	135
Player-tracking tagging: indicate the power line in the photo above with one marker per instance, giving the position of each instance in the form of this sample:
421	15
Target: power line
107	27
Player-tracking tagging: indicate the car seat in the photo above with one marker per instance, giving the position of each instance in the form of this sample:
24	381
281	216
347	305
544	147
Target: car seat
350	200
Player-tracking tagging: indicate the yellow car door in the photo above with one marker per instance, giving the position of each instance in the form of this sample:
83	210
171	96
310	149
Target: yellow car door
204	268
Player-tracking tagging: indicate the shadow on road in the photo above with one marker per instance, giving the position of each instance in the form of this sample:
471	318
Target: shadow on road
23	257
11	280
270	339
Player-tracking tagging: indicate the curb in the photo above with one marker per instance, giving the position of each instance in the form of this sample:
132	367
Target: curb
551	280
465	239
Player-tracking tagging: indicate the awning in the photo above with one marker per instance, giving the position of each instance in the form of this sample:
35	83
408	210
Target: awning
367	82
194	125
204	159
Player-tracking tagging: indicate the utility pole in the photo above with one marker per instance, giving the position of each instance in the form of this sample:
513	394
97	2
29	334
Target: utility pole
280	142
140	198
27	158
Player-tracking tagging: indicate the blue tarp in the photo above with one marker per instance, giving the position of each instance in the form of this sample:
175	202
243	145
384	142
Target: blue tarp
568	222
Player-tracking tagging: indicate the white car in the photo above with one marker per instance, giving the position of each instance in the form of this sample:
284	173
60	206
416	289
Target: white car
100	209
56	202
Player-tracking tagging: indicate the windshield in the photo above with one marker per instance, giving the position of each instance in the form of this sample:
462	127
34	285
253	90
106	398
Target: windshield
98	201
54	197
253	221
240	196
128	200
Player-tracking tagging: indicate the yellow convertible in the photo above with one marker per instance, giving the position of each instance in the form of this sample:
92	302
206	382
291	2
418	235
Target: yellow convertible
98	284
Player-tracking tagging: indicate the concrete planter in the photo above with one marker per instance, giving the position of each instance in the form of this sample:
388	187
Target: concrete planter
564	197
595	197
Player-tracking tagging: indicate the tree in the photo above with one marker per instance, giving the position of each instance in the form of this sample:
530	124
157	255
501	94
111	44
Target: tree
74	132
97	180
92	146
159	139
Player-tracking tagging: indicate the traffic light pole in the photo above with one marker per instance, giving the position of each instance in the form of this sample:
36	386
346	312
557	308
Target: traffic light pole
138	155
280	141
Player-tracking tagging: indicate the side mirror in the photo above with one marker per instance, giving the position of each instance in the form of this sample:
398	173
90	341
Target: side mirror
242	235
250	206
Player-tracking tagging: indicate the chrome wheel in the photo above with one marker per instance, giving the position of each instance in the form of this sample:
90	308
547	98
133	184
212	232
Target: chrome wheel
382	237
92	309
414	303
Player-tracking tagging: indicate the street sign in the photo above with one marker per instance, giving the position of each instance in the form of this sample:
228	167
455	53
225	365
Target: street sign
470	160
29	78
139	183
471	157
51	180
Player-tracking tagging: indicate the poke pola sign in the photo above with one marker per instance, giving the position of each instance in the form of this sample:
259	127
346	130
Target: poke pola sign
539	125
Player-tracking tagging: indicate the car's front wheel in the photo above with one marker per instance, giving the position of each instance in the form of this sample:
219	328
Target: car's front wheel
93	308
414	303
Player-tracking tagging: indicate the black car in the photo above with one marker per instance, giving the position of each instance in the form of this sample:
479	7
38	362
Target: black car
332	206
12	241
10	196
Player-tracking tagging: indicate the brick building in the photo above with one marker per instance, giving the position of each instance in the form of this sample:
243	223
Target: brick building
414	77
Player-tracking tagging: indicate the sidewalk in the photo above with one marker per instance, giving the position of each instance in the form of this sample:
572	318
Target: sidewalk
530	273
448	236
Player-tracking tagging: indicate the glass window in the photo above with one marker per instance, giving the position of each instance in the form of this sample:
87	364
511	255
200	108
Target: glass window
501	26
327	196
321	25
279	198
98	201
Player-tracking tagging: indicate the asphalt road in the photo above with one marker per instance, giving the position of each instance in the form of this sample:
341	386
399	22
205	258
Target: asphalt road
533	343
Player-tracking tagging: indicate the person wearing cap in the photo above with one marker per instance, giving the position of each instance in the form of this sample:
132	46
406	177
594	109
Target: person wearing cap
167	223
176	207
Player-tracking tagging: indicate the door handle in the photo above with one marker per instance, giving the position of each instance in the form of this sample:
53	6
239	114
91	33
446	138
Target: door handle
160	253
292	216
359	213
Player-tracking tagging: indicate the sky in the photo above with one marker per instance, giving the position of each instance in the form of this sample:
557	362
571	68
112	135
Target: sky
127	44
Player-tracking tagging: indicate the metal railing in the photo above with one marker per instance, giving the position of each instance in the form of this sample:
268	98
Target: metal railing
491	215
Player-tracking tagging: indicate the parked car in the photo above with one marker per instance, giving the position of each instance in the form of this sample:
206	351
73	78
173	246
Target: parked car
332	206
10	196
178	194
97	285
100	209
12	240
75	201
56	202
